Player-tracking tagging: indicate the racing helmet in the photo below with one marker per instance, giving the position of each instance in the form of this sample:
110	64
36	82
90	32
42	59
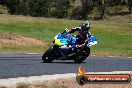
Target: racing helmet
85	26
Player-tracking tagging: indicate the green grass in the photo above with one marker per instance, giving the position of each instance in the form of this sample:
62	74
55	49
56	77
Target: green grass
40	85
23	86
58	86
40	28
19	49
115	33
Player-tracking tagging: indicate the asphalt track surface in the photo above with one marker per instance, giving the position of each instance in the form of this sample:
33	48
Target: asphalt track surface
20	65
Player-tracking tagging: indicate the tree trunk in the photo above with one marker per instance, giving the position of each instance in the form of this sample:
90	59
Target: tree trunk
103	9
129	4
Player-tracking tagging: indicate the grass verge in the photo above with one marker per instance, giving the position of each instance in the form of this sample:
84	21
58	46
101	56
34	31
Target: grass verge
114	33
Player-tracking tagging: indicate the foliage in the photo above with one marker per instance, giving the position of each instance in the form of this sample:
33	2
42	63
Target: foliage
61	8
75	9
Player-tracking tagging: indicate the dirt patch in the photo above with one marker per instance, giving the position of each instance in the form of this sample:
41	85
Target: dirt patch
71	83
65	82
9	38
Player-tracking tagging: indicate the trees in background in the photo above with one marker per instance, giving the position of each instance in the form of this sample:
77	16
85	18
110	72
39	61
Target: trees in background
87	6
60	8
29	7
38	7
1	2
75	9
129	4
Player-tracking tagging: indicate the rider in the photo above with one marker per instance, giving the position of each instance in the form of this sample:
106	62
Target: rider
83	32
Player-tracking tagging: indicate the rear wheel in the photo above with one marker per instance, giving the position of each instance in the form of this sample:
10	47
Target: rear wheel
81	55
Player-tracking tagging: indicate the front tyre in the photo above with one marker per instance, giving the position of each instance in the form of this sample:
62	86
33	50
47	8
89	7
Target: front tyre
48	56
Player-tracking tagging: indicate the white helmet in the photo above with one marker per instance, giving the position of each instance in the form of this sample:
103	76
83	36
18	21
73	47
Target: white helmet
85	25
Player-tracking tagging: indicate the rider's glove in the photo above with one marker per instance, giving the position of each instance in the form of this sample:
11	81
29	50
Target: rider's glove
67	30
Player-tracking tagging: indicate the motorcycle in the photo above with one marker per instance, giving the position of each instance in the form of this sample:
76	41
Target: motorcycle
65	47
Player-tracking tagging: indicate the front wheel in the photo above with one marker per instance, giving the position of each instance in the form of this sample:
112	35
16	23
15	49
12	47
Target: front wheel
48	56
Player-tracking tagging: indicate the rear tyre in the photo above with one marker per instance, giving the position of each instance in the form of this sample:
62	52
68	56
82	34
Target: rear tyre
81	55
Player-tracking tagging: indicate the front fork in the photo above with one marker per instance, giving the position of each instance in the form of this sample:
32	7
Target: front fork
57	52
